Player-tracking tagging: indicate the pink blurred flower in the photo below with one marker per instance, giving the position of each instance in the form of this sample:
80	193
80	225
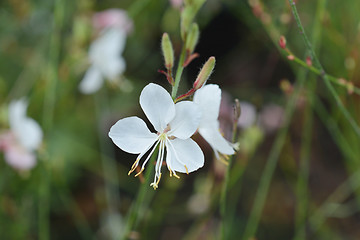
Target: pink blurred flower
176	3
271	117
113	18
24	137
248	115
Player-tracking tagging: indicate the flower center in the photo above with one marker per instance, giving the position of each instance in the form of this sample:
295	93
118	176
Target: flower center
163	136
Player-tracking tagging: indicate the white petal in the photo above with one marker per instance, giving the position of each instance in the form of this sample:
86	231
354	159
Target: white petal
132	135
92	81
113	67
29	134
210	132
186	121
27	131
17	112
181	153
109	45
105	52
157	105
208	98
19	158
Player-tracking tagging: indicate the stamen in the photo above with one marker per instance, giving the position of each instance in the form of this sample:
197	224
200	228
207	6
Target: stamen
136	163
168	161
142	169
176	175
155	185
148	157
224	159
133	167
187	171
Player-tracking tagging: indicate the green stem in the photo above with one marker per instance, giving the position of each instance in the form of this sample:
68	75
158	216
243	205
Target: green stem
138	206
271	162
323	73
179	72
318	72
224	190
301	212
302	181
48	116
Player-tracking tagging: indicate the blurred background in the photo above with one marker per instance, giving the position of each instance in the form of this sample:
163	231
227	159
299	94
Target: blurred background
295	142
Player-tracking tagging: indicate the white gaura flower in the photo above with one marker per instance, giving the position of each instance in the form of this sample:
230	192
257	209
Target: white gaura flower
174	123
105	59
208	98
24	137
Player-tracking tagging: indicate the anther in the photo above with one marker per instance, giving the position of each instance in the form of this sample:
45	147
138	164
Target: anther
187	171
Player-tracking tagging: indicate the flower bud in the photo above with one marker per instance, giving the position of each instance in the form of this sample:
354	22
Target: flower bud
308	61
205	73
282	42
350	88
192	38
168	51
237	110
187	16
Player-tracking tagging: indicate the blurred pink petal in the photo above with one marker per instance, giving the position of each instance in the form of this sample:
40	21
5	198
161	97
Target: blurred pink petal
113	18
248	115
176	3
271	117
23	138
19	158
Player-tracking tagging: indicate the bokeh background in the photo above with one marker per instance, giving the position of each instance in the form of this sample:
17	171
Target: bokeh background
80	188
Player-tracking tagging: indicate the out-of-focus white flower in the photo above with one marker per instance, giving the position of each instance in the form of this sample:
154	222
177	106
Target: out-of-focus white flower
271	117
248	114
112	18
24	137
174	123
105	53
106	60
208	98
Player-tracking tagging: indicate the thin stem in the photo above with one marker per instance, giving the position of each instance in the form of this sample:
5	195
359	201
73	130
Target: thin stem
323	73
48	116
301	212
137	206
271	163
302	181
179	72
224	190
318	72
